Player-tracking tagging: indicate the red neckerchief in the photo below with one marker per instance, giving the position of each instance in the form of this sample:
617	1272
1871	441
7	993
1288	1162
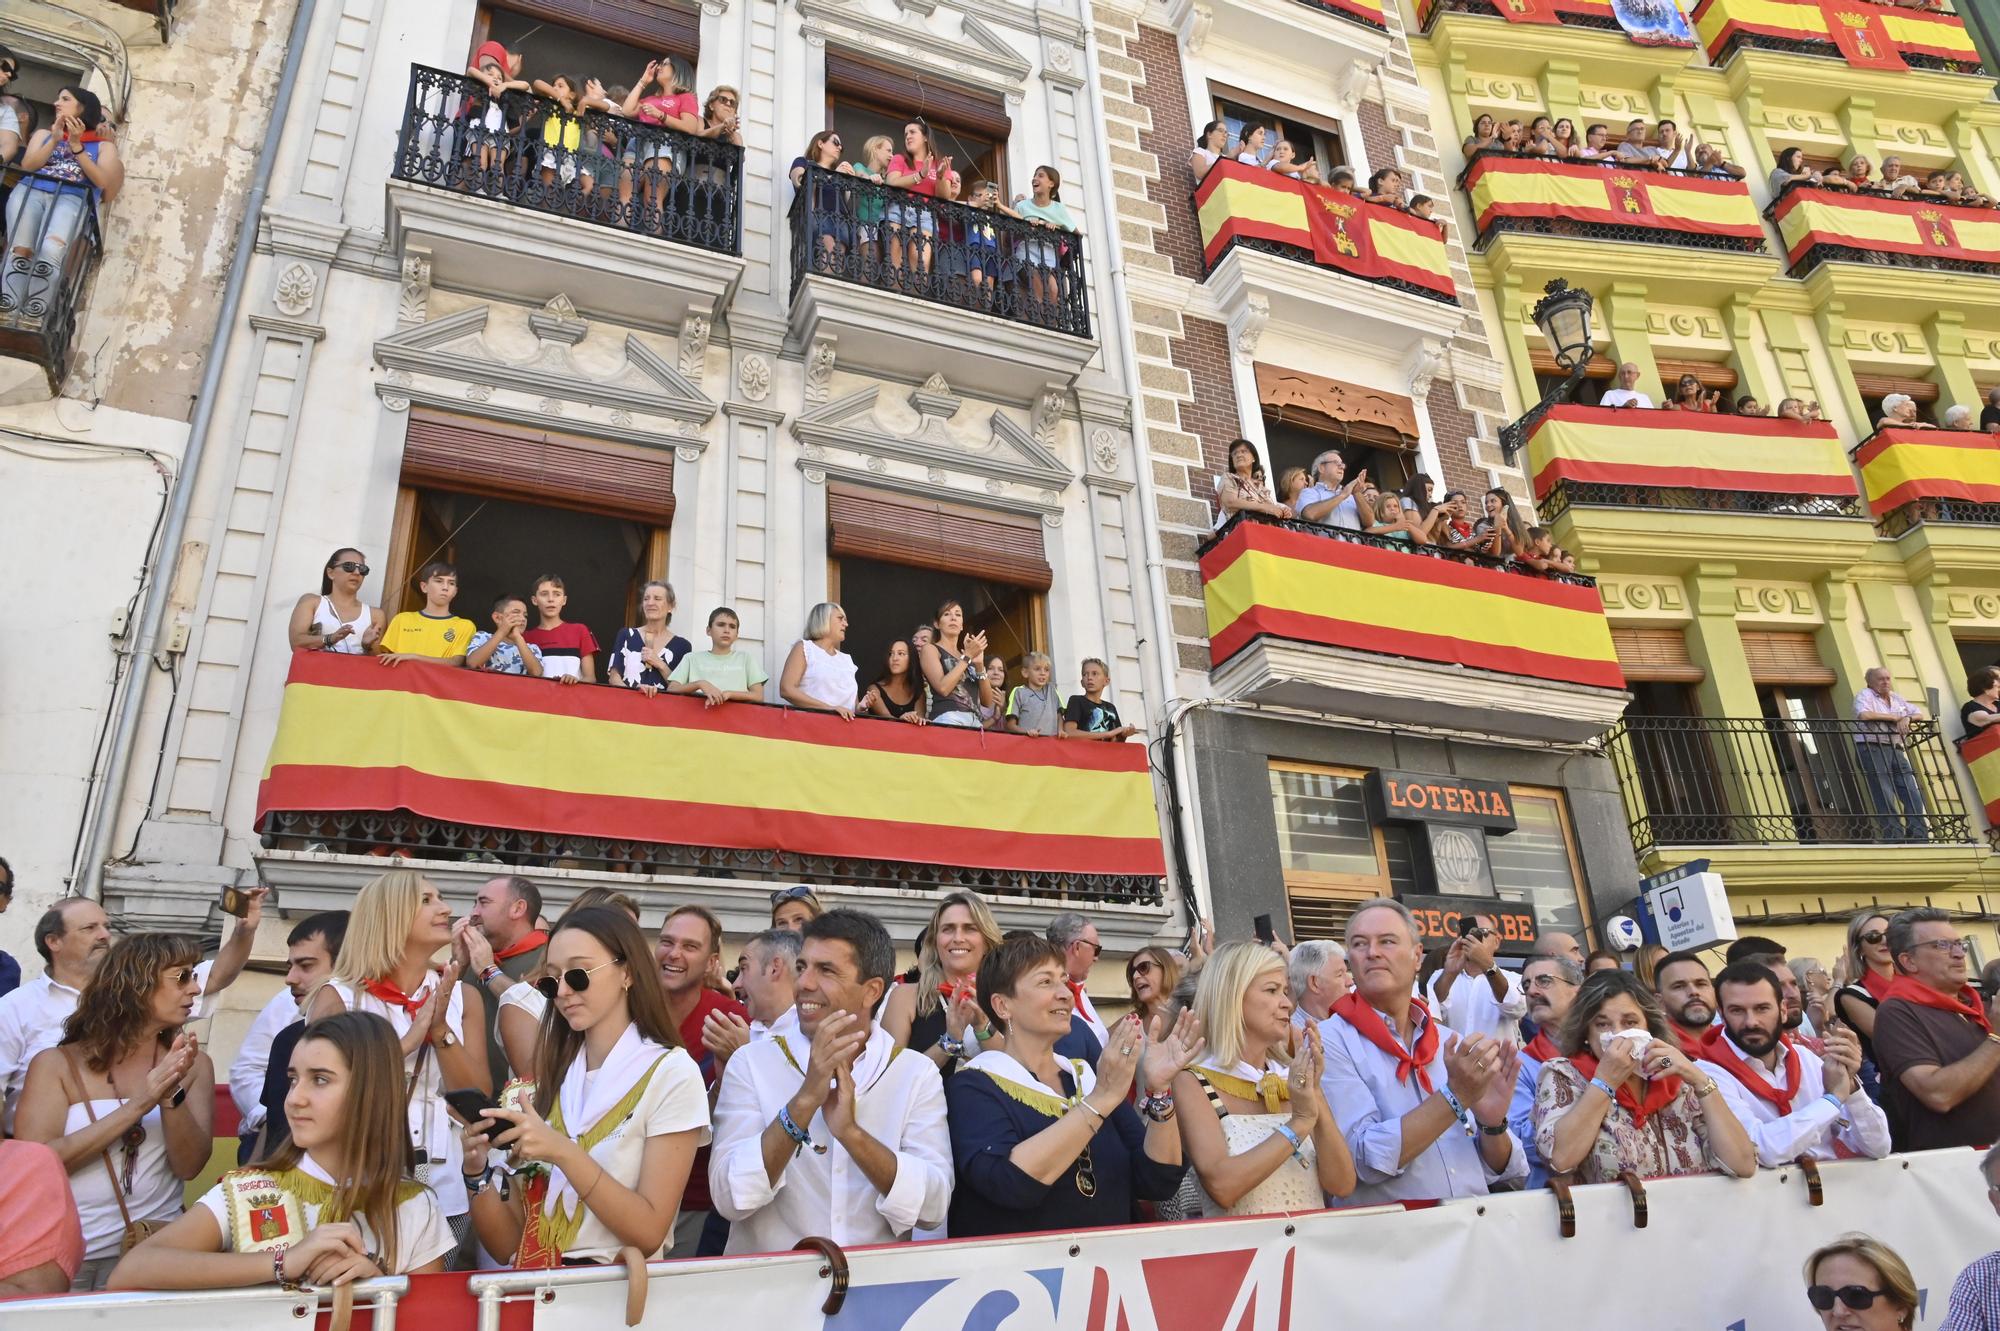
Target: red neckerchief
387	991
1877	986
1660	1091
531	940
1541	1048
1077	999
1690	1040
1352	1008
1965	1003
1717	1049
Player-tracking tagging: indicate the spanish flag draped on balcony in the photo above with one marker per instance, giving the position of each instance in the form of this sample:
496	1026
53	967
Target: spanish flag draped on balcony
1236	201
1902	466
1686	450
1263	580
1808	217
1610	196
1868	35
1982	759
504	751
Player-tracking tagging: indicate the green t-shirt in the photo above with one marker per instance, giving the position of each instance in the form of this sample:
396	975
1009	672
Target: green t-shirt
732	673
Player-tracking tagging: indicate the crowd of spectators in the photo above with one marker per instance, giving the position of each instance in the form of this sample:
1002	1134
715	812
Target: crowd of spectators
1859	176
1388	186
940	675
634	1095
69	169
1661	147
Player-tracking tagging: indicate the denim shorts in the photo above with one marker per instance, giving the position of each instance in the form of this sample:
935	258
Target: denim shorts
909	215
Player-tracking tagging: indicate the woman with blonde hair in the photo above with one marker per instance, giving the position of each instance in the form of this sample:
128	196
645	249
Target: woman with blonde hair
939	1015
345	1207
1270	1143
1150	976
1647	962
1858	1274
818	676
397	924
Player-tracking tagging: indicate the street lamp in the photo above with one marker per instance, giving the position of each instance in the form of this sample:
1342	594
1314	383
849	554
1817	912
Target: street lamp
1563	315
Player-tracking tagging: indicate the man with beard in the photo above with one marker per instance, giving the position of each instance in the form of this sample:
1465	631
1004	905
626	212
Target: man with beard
1682	985
1790	1100
72	937
690	942
1551	983
1795	1027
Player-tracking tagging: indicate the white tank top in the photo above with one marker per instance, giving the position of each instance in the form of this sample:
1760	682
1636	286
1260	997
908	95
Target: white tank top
829	676
327	620
155	1194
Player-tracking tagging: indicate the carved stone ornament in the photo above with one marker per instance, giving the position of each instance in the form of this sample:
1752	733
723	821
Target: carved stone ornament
878	465
1048	414
1256	313
397	379
935	475
1199	21
753	376
815	476
413	301
479	392
1426	363
694	344
621	418
1104	450
687	454
294	293
819	369
1060	56
549	406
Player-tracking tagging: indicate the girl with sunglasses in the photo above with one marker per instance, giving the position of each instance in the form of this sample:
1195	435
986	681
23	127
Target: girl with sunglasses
126	1099
602	1150
1859	1284
398	923
1870	970
336	620
346	1208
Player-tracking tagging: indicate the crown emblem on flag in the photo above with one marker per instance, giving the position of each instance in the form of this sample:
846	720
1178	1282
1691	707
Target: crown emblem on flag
1337	209
1624	182
1856	21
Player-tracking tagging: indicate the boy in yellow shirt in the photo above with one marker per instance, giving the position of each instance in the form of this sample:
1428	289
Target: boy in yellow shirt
434	634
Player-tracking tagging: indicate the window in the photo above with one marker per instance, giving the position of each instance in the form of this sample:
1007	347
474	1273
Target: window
1333	857
1874	387
588	38
1315	139
1976	653
1536	863
1292	445
865	99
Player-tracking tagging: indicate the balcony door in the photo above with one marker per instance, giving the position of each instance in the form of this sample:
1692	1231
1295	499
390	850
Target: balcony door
1814	769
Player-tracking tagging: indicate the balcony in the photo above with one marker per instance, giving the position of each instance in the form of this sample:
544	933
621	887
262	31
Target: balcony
975	300
1544	197
1864	35
1313	617
1340	41
1828	226
43	291
1793	782
456	766
509	198
1916	477
1568	13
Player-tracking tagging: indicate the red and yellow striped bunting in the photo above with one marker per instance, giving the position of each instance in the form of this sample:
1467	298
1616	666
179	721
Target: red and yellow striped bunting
1898	466
1686	450
491	750
1610	196
1273	581
1982	757
1808	217
1871	36
1367	239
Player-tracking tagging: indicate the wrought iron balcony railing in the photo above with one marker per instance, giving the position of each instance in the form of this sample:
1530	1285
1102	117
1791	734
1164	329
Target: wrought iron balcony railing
53	245
1869	226
850	228
1915	477
596	167
1692	780
1569	13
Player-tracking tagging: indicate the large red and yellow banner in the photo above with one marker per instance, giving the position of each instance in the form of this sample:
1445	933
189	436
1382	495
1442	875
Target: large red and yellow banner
1368	11
1686	450
1808	217
1982	758
508	751
1610	196
1667	30
1869	36
1264	580
1366	239
1899	466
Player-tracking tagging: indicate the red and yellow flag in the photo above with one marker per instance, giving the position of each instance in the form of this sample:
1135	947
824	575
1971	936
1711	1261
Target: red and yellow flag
1982	756
1686	450
1262	580
1871	36
1808	217
1610	196
490	750
1366	239
1898	466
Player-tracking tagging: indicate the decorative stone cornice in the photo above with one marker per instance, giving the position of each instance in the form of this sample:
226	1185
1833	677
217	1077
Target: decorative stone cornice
978	57
1010	455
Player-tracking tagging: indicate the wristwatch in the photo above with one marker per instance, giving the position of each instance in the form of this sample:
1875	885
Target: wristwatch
447	1040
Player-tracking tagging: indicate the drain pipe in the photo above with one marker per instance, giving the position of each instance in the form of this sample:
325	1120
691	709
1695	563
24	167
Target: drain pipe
87	875
1164	657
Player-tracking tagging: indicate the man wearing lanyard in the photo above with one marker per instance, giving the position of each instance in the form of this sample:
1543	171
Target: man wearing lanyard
1883	735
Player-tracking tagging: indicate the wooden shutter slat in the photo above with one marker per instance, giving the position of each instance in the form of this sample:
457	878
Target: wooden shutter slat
919	533
1543	361
932	98
1656	656
539	467
1881	385
1324	914
652	25
1711	375
1784	658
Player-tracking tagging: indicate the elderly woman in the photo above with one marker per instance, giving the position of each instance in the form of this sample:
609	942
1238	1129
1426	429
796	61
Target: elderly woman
1625	1098
1857	1283
818	676
1958	416
1899	412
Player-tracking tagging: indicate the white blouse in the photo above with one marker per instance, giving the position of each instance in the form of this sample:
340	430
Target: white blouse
422	1236
432	1129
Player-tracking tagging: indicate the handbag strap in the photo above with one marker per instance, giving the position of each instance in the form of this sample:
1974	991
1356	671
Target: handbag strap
117	1190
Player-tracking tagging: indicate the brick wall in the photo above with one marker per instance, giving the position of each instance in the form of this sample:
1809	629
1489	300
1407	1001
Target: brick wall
1376	137
1170	140
1452	425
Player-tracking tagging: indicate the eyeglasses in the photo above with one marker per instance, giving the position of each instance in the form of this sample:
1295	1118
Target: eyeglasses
349	566
185	975
577	979
1144	967
1873	936
1951	946
1857	1297
784	894
1548	981
1096	949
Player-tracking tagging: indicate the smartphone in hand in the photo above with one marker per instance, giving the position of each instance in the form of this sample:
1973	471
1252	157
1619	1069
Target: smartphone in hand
1262	924
470	1104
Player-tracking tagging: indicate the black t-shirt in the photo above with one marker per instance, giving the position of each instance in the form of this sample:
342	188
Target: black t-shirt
1989	417
1965	714
1091	717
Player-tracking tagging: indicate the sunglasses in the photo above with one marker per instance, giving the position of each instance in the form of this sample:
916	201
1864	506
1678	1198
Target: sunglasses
576	978
349	566
1857	1297
784	894
1144	967
1873	936
10	70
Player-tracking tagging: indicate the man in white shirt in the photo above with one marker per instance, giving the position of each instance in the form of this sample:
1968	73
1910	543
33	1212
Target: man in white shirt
1424	1110
310	949
1077	937
1790	1101
1471	993
72	937
1627	393
1316	973
1891	781
1327	500
767	980
844	1137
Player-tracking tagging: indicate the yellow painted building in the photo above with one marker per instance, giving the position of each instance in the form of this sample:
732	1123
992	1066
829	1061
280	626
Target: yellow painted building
1750	582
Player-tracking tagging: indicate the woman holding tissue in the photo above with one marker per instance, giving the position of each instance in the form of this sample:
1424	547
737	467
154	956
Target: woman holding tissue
1624	1097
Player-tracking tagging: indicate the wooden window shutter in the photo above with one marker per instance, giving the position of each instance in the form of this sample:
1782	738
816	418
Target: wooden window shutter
1881	385
1784	658
923	533
982	112
539	467
1711	375
1601	366
1655	655
1323	912
653	26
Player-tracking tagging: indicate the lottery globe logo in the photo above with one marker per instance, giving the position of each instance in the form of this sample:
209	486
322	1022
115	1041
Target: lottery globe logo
1456	856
